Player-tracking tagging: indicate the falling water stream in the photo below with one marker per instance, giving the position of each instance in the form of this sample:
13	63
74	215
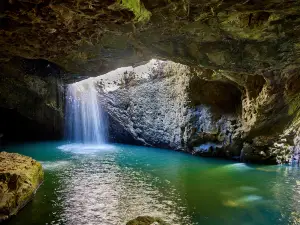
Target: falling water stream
85	122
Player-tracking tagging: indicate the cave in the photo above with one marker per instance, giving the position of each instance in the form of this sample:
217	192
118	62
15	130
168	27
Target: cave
149	112
224	97
16	128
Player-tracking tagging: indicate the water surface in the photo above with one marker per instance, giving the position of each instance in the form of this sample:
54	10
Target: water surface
111	184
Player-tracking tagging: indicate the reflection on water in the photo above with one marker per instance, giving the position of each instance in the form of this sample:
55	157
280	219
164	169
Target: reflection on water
286	189
57	165
86	148
243	201
112	184
100	192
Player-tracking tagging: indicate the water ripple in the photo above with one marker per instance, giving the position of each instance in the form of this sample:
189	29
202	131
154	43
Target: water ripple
99	191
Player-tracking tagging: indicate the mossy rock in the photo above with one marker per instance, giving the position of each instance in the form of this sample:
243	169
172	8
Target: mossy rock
146	220
20	176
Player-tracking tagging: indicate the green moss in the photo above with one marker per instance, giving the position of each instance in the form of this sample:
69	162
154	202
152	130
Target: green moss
219	58
294	105
238	25
297	46
276	17
20	176
138	8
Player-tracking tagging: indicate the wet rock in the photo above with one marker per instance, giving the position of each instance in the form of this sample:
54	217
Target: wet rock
209	149
20	176
257	154
146	220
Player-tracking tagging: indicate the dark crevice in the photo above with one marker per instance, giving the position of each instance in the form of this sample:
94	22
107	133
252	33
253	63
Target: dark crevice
255	85
250	17
221	96
15	127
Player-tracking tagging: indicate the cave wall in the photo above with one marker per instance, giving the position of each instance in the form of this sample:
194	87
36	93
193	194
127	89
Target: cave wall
153	111
31	92
15	127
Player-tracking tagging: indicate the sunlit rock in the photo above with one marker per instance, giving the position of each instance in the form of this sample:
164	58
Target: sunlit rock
164	104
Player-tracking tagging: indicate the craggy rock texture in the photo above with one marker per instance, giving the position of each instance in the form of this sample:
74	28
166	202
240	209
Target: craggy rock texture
93	36
247	45
33	89
20	176
205	112
160	107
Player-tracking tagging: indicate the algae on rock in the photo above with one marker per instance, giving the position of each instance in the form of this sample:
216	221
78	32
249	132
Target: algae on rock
20	176
146	220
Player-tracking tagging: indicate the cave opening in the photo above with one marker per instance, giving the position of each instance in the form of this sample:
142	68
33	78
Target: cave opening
121	121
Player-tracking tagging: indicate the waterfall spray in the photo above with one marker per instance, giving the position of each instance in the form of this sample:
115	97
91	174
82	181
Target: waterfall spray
84	117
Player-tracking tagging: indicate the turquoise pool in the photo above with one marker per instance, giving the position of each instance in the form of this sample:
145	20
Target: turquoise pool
111	184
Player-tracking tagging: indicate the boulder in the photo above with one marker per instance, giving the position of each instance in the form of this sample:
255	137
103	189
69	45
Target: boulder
163	104
20	177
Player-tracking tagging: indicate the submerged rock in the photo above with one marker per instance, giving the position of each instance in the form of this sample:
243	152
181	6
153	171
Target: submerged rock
146	220
20	176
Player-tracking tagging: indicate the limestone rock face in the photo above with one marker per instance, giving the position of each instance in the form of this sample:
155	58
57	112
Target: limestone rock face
159	107
20	176
205	112
153	111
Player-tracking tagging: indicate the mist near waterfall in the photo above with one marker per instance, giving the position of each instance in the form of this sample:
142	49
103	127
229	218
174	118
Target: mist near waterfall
85	121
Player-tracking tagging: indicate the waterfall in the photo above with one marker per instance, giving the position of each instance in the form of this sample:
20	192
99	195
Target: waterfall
84	119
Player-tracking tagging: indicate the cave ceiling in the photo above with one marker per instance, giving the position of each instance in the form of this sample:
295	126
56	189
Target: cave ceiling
94	36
